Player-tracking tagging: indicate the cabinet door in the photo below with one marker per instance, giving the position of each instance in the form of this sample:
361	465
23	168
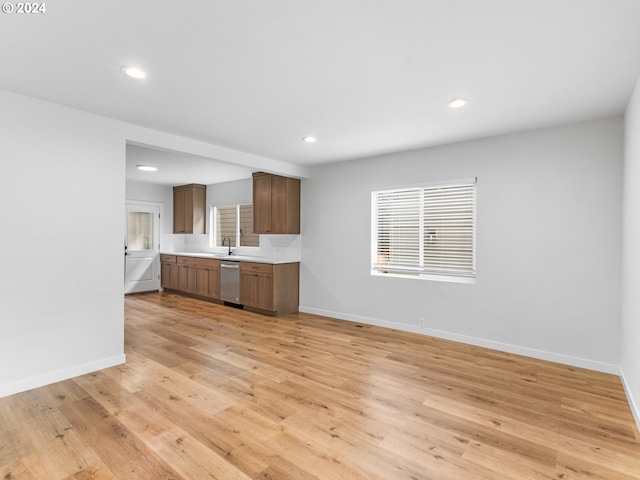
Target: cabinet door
164	275
187	212
248	288
276	204
169	275
214	283
261	203
256	290
178	210
189	208
202	281
279	212
186	278
208	282
264	294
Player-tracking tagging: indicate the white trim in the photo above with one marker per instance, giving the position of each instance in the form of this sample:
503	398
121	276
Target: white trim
59	375
213	233
479	342
426	276
441	183
148	204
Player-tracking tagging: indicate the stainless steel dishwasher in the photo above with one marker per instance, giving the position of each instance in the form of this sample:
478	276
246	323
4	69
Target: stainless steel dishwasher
230	281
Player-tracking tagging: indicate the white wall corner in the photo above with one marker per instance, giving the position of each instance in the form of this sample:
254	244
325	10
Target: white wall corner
633	402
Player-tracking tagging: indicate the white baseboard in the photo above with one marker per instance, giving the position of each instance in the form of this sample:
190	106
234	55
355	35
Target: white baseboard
59	375
479	342
633	404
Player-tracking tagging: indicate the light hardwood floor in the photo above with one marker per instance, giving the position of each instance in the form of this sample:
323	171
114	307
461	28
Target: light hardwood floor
211	392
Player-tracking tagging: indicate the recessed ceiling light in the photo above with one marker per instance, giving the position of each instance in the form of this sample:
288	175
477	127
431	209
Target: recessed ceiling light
133	72
457	102
147	168
309	139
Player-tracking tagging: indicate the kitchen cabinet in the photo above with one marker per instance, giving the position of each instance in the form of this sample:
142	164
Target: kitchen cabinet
208	277
271	289
268	288
186	274
256	285
169	272
276	204
189	208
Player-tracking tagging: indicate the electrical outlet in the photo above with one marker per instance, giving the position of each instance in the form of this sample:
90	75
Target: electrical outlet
420	322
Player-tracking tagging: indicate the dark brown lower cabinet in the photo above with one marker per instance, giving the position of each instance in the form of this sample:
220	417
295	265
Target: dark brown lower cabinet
168	272
267	288
187	274
208	277
270	288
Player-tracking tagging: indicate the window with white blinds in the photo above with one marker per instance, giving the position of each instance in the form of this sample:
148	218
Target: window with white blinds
425	231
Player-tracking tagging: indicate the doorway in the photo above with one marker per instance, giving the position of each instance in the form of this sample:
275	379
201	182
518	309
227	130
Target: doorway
142	247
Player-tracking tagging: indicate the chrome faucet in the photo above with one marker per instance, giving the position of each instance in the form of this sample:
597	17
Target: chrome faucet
223	240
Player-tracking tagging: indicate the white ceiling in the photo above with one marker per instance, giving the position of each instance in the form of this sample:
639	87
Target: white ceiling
365	77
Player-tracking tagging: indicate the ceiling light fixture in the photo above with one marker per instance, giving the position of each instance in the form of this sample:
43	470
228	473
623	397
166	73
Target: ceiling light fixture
309	139
147	168
133	72
457	102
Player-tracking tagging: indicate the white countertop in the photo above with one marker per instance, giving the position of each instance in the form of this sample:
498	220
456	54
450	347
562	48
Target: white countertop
237	258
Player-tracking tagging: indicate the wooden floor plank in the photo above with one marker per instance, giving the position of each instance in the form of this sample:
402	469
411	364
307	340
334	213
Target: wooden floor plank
210	391
94	472
121	450
25	468
191	459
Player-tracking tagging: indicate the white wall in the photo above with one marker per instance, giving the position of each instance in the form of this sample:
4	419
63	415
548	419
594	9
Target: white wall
61	288
548	244
229	193
630	354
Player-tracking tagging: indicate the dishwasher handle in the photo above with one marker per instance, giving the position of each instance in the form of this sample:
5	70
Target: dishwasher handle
230	265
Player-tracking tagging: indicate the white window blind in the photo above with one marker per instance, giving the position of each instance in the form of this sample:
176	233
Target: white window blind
428	230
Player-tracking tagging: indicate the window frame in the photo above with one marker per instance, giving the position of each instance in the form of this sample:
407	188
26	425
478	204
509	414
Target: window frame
415	208
213	236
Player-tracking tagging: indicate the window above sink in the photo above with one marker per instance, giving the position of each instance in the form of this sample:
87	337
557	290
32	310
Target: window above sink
234	222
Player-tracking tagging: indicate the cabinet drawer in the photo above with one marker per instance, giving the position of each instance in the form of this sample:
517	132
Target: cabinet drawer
186	260
207	262
168	258
256	267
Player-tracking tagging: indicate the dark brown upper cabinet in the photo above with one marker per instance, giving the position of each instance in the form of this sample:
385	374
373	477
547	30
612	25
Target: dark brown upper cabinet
276	204
189	208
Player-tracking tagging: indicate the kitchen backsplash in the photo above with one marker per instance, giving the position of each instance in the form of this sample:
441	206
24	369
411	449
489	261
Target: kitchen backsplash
278	247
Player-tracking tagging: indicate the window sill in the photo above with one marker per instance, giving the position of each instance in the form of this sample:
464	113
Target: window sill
431	277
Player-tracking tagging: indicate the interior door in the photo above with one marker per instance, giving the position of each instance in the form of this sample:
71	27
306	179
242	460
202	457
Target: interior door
142	248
